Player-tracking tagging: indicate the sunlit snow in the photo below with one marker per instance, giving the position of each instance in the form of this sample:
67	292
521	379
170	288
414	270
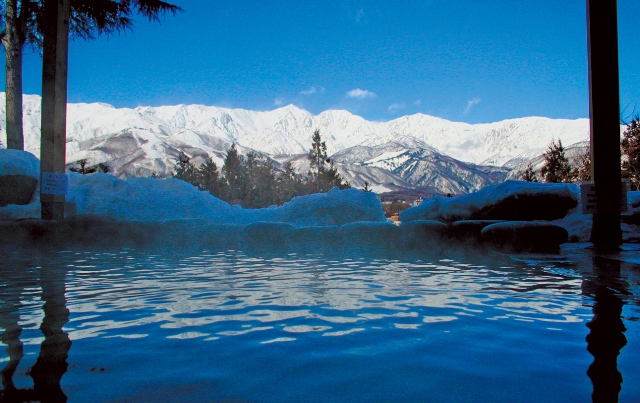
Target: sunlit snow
159	200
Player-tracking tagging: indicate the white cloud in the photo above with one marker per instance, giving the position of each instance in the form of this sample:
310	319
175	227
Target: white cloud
312	90
417	102
278	101
361	94
396	107
470	104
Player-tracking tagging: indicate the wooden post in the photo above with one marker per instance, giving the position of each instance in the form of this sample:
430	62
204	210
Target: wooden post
604	114
54	109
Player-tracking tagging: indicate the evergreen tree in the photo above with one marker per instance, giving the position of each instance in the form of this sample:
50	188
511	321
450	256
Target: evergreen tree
556	166
529	174
208	178
631	153
261	182
23	24
330	178
185	170
582	166
322	177
205	177
317	157
234	176
289	184
366	187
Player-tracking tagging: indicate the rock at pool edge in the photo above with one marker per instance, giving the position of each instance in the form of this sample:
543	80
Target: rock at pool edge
525	235
16	189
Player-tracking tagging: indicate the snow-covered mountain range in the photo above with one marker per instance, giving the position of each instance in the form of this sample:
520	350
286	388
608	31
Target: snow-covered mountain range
411	151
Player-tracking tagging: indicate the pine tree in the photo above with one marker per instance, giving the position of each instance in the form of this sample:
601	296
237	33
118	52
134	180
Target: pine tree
529	174
208	178
322	178
185	170
261	182
582	166
330	178
317	157
289	184
631	153
556	166
366	187
234	176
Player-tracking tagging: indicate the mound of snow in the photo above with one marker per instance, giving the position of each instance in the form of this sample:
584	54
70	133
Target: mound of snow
17	162
159	200
336	207
164	200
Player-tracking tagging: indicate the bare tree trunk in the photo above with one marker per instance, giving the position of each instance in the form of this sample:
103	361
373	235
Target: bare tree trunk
13	43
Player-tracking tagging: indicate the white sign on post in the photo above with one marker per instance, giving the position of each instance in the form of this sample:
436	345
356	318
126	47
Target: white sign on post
588	197
54	183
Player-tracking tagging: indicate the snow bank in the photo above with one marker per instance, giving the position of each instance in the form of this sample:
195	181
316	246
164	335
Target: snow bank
17	162
159	200
162	200
144	199
336	207
149	199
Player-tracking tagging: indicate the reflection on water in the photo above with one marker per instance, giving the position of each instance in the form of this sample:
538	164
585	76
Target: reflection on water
606	337
51	363
231	325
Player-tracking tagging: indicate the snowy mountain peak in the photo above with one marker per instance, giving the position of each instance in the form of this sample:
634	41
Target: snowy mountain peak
145	139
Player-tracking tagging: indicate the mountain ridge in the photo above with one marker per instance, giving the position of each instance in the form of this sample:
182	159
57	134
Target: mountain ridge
435	152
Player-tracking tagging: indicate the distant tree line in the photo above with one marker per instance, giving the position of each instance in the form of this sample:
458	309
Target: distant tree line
83	169
556	167
253	181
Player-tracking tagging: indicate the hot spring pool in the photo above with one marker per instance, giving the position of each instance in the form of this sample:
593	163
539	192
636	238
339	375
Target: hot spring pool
234	326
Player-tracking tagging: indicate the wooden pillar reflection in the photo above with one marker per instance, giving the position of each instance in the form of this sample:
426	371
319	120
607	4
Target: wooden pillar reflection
51	364
9	321
606	329
604	114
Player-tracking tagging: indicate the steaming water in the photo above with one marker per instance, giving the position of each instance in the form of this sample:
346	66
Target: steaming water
232	326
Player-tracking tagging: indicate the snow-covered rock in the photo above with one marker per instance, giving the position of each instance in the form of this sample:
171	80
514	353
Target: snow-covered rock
510	200
525	236
17	162
19	173
17	189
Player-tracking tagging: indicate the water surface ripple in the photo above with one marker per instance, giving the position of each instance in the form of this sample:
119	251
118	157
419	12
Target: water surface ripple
233	325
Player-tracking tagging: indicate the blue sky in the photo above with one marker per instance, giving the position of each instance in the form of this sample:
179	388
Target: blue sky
467	60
